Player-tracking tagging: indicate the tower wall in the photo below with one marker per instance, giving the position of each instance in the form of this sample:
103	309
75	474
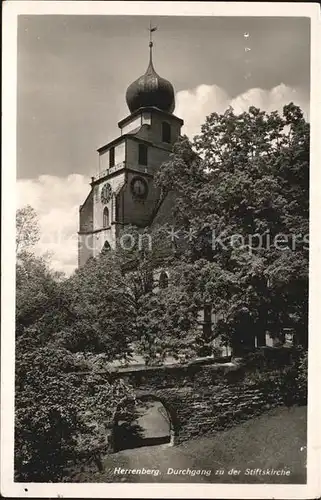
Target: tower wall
156	156
116	182
100	237
85	248
156	129
86	223
135	211
144	144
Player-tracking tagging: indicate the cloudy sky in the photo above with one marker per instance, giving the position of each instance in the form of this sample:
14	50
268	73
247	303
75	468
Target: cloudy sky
73	72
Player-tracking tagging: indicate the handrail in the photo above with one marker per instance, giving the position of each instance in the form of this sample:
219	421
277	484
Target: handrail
118	166
110	170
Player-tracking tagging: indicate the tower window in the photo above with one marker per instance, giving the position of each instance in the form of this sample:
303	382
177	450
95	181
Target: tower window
142	154
166	132
106	217
163	280
111	157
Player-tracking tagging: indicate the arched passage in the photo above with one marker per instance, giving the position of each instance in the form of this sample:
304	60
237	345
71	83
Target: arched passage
147	421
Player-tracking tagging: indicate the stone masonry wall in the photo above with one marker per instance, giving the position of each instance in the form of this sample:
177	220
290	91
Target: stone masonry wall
205	399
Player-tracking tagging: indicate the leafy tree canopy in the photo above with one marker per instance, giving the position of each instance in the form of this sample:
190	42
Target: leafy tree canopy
63	396
242	190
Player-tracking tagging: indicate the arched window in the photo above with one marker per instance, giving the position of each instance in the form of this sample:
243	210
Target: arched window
106	217
163	280
166	132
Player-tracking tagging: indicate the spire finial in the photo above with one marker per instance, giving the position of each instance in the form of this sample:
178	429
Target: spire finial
151	29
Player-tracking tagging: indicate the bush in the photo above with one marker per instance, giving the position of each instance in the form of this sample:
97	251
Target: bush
60	413
302	377
285	384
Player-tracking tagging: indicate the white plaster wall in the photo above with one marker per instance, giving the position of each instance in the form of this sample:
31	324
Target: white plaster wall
120	153
104	161
119	156
136	122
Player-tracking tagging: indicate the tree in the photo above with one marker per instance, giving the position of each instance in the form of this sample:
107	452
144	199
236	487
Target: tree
163	321
63	410
64	399
99	312
37	294
167	324
27	229
37	286
247	186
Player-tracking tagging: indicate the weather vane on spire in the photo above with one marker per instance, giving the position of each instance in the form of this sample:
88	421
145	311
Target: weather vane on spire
151	29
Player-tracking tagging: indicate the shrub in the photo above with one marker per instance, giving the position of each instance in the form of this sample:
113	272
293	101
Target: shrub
286	384
60	413
302	377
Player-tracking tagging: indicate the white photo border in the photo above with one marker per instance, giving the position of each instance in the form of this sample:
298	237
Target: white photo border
9	488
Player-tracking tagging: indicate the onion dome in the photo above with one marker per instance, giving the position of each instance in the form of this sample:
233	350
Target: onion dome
151	89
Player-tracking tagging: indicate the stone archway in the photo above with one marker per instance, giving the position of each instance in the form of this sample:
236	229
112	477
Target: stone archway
147	421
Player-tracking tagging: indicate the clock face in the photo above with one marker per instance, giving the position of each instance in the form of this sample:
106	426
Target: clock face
106	193
139	188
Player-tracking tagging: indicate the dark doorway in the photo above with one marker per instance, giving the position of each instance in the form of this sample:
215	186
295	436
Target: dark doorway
143	423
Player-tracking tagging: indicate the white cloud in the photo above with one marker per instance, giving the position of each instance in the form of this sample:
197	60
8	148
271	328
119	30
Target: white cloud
194	105
57	199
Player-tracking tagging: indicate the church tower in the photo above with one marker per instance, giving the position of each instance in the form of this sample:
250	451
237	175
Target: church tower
124	191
